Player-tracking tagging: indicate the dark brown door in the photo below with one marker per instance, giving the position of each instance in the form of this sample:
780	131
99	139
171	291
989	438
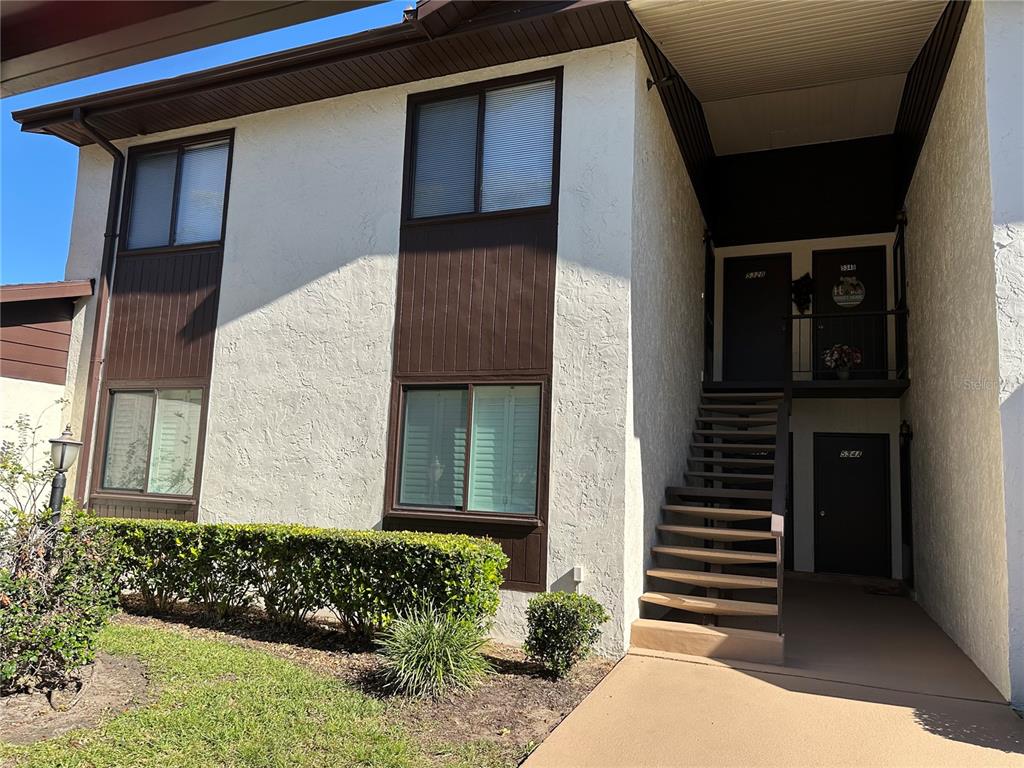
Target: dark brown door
756	299
847	284
851	504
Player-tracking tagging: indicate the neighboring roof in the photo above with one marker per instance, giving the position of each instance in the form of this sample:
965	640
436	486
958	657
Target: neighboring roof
44	43
63	289
438	37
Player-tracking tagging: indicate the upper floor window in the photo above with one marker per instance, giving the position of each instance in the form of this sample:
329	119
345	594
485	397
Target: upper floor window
177	195
492	150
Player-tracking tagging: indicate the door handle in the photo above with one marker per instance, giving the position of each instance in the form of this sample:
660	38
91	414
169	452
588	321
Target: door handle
821	513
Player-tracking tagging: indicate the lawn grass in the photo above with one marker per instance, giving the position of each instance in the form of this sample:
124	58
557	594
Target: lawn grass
221	705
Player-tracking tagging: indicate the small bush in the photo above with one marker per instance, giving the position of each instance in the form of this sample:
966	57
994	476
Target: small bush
431	653
366	578
562	628
58	586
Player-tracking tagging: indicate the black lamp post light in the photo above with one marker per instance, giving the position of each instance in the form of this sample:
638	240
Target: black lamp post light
63	451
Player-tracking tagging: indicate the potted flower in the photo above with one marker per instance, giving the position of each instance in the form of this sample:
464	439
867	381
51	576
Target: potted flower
841	358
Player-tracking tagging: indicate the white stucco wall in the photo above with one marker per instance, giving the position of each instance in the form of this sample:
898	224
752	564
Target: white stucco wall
665	332
43	405
1004	80
953	404
302	363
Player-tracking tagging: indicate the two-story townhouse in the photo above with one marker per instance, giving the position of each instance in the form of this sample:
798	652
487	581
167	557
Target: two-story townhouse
676	301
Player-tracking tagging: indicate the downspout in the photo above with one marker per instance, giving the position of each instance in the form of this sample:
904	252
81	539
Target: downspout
99	336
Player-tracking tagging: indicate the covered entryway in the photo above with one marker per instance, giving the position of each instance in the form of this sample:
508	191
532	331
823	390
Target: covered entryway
869	680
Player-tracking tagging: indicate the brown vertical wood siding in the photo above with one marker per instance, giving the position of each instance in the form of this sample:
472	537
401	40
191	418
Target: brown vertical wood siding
34	340
475	303
476	296
163	315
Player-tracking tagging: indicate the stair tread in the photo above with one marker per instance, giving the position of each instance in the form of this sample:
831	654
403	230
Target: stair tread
717	493
757	421
713	605
767	463
742	395
718	513
722	556
745	434
735	477
732	447
713	580
716	534
739	407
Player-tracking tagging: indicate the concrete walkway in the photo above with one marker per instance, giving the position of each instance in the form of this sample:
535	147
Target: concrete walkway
872	682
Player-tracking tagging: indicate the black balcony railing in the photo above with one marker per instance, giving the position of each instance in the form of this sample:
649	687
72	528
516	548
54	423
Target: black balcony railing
867	345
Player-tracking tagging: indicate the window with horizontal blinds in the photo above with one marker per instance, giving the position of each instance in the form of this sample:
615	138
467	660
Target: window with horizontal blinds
503	452
507	163
152	441
172	463
518	150
201	194
131	415
152	200
177	196
433	448
446	157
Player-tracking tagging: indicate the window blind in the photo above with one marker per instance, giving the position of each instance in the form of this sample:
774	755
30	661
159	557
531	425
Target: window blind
172	466
433	448
201	193
445	174
503	453
128	440
519	129
152	196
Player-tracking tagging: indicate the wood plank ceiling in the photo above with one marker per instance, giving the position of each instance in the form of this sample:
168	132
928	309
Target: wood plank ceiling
789	72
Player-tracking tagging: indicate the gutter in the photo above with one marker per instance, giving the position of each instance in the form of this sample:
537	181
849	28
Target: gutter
99	335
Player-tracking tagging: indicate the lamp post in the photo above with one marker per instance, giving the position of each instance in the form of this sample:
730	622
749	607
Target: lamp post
63	451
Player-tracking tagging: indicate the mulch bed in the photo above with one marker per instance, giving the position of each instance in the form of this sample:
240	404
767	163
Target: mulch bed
107	686
513	710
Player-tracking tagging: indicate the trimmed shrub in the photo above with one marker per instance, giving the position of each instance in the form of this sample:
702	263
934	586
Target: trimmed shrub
366	578
58	586
562	628
431	653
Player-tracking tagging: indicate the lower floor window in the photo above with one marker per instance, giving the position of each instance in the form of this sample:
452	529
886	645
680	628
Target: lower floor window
498	472
152	441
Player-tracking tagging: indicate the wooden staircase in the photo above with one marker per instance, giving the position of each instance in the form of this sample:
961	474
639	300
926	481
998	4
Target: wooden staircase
716	589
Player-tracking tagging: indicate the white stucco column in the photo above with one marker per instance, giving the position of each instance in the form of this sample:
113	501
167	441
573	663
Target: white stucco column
1004	84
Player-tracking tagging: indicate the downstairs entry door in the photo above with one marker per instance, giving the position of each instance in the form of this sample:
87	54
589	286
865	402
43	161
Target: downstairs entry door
756	298
851	504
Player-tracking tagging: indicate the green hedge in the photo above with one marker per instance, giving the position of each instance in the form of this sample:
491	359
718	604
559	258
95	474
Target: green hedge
366	578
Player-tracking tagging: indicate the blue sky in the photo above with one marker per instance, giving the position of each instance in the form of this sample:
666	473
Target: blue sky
37	172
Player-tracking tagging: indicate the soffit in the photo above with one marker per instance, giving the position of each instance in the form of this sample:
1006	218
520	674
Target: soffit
794	71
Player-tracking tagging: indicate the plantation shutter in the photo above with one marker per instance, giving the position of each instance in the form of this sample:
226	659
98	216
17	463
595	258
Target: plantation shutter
172	466
128	441
445	176
433	448
201	193
152	199
503	456
519	130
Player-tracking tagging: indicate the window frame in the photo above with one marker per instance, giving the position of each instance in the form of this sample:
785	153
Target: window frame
102	493
395	509
479	89
139	151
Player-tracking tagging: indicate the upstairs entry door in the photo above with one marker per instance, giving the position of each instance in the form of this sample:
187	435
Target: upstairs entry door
756	299
847	284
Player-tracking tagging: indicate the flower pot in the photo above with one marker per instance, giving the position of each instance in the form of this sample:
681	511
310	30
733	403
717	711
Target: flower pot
843	373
